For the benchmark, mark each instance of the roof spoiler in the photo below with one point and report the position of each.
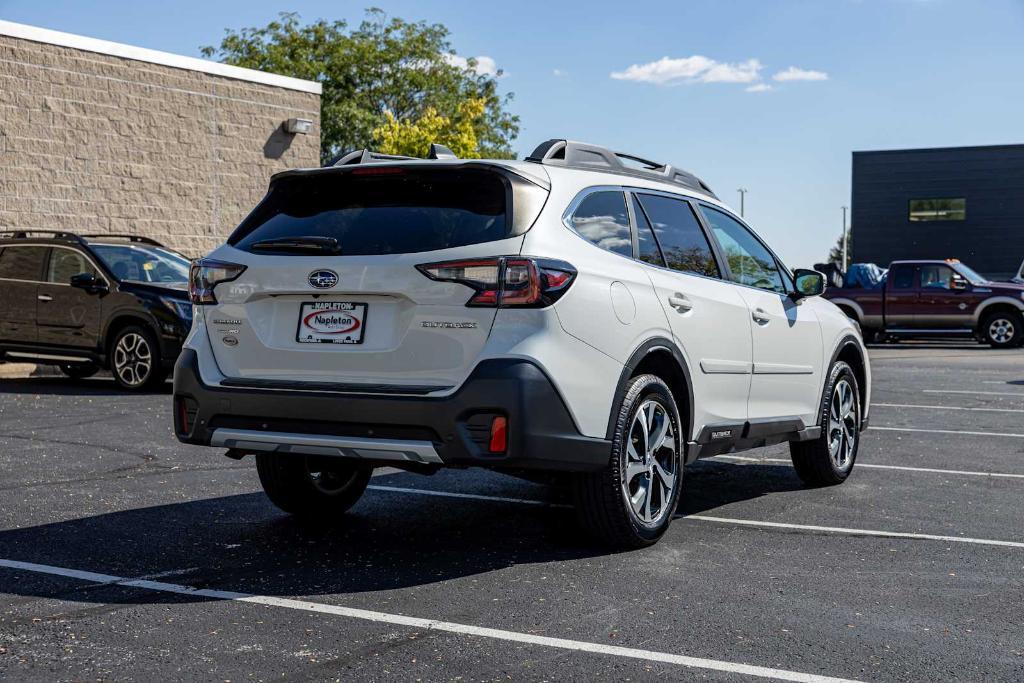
(366, 156)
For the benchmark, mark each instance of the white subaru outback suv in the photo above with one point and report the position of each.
(581, 312)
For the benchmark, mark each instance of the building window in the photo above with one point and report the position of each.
(938, 209)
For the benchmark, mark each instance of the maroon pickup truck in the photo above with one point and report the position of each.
(935, 298)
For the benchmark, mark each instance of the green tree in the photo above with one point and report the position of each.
(413, 137)
(835, 255)
(385, 66)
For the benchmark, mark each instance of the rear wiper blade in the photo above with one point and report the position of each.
(308, 244)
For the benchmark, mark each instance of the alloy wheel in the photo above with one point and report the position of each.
(652, 462)
(1001, 330)
(842, 425)
(133, 359)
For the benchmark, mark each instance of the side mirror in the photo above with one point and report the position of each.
(958, 283)
(89, 282)
(808, 283)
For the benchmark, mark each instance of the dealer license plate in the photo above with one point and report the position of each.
(331, 322)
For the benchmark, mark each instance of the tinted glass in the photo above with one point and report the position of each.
(65, 264)
(937, 277)
(647, 245)
(680, 235)
(384, 210)
(902, 277)
(601, 218)
(750, 261)
(938, 209)
(22, 263)
(142, 264)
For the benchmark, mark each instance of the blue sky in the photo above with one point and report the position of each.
(695, 84)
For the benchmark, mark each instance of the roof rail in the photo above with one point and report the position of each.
(131, 238)
(27, 233)
(366, 156)
(589, 157)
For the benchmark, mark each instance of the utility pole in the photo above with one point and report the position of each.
(845, 241)
(743, 196)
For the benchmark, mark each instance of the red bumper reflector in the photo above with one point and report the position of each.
(499, 435)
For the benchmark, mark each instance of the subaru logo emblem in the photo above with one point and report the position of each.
(323, 279)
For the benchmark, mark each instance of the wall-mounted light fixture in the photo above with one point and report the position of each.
(298, 126)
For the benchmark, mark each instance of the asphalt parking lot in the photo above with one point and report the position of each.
(126, 555)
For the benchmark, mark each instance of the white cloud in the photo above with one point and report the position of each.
(744, 72)
(485, 66)
(794, 73)
(696, 68)
(559, 73)
(759, 87)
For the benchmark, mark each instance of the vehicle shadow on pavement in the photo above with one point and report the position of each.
(390, 540)
(65, 386)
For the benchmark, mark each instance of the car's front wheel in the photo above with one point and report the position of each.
(828, 459)
(630, 503)
(1003, 329)
(135, 359)
(312, 486)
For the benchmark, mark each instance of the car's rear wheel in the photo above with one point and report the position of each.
(829, 459)
(79, 370)
(630, 503)
(1003, 329)
(312, 486)
(135, 359)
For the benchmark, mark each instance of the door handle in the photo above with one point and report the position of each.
(680, 303)
(44, 297)
(761, 316)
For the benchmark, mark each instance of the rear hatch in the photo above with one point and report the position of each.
(331, 292)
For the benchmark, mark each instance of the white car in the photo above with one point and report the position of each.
(579, 312)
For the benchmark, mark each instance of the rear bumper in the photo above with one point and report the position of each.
(451, 430)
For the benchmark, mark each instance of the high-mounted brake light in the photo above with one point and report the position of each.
(380, 170)
(205, 274)
(506, 281)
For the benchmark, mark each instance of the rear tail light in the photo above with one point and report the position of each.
(206, 274)
(506, 281)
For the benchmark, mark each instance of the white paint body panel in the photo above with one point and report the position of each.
(740, 370)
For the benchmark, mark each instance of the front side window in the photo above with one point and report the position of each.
(601, 218)
(949, 209)
(750, 261)
(22, 263)
(679, 233)
(65, 264)
(938, 277)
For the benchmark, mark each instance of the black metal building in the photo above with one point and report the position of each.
(952, 202)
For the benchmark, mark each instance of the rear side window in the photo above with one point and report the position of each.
(601, 218)
(647, 246)
(65, 264)
(383, 210)
(22, 263)
(679, 233)
(902, 277)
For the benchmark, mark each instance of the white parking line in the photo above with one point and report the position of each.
(946, 431)
(903, 468)
(1018, 394)
(745, 522)
(913, 405)
(428, 624)
(857, 532)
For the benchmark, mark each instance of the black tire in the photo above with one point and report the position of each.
(311, 486)
(1003, 329)
(823, 462)
(79, 370)
(601, 498)
(128, 363)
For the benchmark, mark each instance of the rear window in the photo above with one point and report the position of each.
(384, 210)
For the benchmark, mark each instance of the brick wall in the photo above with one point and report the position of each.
(94, 144)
